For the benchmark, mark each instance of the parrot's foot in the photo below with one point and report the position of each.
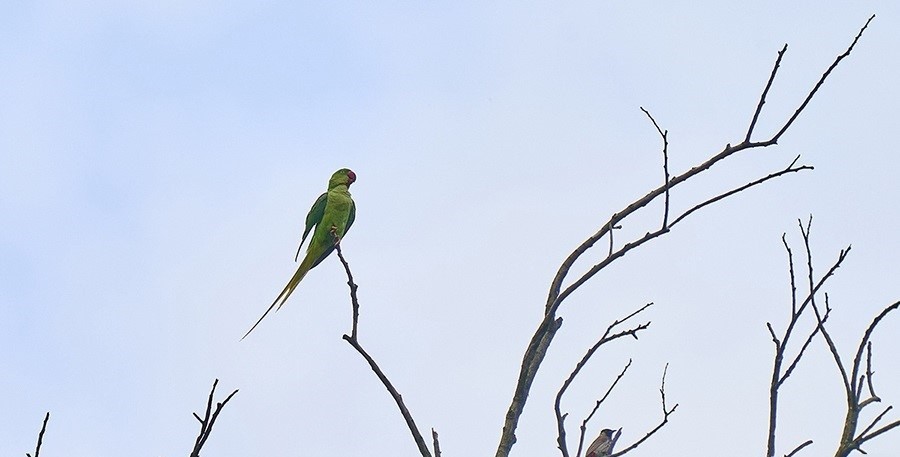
(337, 239)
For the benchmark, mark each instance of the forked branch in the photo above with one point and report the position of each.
(666, 412)
(209, 419)
(780, 374)
(534, 353)
(605, 338)
(853, 377)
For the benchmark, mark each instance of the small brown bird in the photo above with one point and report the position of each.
(600, 446)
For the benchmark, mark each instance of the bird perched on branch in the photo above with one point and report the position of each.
(601, 446)
(332, 215)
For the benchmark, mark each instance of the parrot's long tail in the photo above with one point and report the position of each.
(288, 289)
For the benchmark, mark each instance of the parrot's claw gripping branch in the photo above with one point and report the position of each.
(353, 341)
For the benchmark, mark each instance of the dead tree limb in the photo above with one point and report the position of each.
(605, 338)
(209, 419)
(40, 440)
(780, 374)
(546, 329)
(583, 428)
(662, 423)
(855, 378)
(850, 439)
(353, 341)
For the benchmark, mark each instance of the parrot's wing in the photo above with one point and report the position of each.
(351, 217)
(312, 219)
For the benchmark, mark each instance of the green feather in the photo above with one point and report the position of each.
(333, 210)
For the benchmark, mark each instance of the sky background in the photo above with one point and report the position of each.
(157, 160)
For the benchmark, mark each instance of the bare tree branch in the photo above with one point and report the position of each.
(665, 151)
(354, 300)
(793, 364)
(762, 98)
(583, 428)
(780, 375)
(417, 436)
(209, 419)
(353, 341)
(876, 433)
(436, 443)
(534, 353)
(40, 440)
(789, 169)
(798, 448)
(866, 341)
(876, 420)
(852, 379)
(869, 372)
(821, 81)
(849, 440)
(560, 418)
(665, 419)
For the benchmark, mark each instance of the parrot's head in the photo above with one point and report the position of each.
(342, 177)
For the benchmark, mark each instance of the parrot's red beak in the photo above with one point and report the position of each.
(352, 176)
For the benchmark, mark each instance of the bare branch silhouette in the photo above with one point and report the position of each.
(851, 378)
(605, 338)
(665, 151)
(779, 375)
(209, 419)
(850, 440)
(543, 335)
(583, 428)
(662, 423)
(799, 448)
(40, 440)
(436, 443)
(353, 341)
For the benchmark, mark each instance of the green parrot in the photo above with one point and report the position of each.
(333, 210)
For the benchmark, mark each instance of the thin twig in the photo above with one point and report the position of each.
(805, 232)
(583, 428)
(354, 300)
(665, 151)
(789, 169)
(40, 440)
(868, 335)
(791, 270)
(762, 98)
(779, 376)
(605, 338)
(534, 352)
(878, 432)
(869, 372)
(436, 443)
(417, 436)
(353, 341)
(209, 419)
(793, 364)
(821, 81)
(798, 448)
(665, 419)
(876, 420)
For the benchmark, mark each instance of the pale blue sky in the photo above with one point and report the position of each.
(157, 160)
